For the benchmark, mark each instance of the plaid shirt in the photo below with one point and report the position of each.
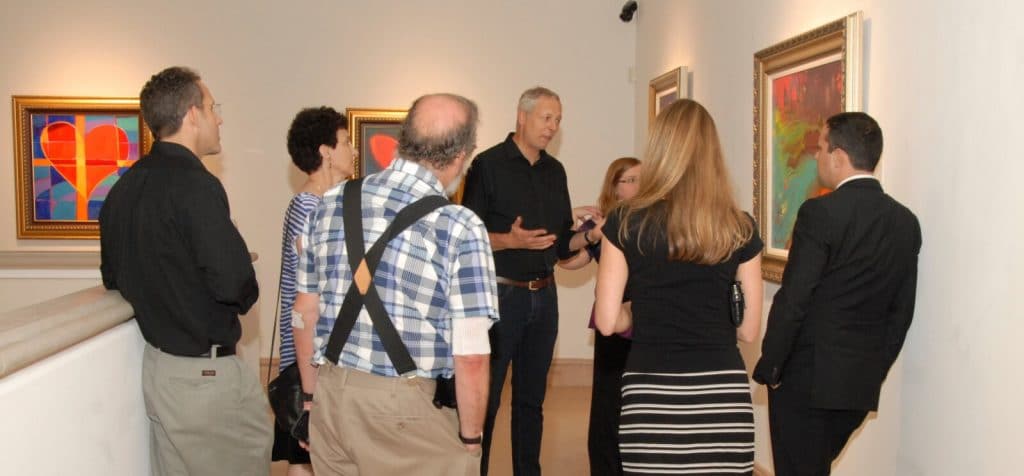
(437, 270)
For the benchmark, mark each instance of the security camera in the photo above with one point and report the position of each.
(627, 11)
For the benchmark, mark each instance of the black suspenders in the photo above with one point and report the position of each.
(362, 291)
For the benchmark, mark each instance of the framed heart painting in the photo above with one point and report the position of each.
(374, 134)
(68, 153)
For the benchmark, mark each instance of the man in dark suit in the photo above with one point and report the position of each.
(847, 298)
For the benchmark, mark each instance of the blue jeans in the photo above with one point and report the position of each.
(525, 337)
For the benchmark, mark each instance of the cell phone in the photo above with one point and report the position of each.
(736, 304)
(301, 428)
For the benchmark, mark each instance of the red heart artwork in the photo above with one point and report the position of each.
(382, 148)
(84, 162)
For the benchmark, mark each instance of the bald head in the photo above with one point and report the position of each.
(439, 128)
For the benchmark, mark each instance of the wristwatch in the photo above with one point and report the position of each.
(471, 441)
(307, 397)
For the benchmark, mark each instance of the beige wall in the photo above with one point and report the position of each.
(942, 77)
(265, 60)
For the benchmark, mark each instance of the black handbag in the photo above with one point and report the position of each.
(285, 395)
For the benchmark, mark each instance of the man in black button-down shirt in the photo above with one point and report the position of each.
(168, 245)
(521, 194)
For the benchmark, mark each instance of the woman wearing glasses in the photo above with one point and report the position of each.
(621, 182)
(319, 145)
(676, 248)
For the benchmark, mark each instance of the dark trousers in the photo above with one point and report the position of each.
(806, 440)
(525, 337)
(610, 354)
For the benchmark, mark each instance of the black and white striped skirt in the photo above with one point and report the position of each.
(687, 423)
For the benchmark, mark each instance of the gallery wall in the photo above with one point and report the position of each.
(942, 78)
(265, 60)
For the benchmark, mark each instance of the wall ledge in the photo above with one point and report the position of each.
(35, 332)
(50, 264)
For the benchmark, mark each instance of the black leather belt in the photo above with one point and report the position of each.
(534, 285)
(214, 352)
(218, 351)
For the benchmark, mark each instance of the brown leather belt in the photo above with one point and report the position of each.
(534, 285)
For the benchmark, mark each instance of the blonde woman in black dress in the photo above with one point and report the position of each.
(678, 245)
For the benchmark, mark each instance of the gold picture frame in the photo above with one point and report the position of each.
(666, 89)
(374, 134)
(68, 152)
(798, 83)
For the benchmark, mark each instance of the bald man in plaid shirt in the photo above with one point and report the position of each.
(436, 280)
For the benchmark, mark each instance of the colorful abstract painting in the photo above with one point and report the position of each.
(798, 84)
(76, 158)
(801, 101)
(68, 153)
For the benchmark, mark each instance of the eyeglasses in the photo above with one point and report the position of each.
(216, 107)
(629, 180)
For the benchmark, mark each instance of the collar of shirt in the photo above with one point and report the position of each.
(170, 155)
(412, 176)
(513, 151)
(856, 177)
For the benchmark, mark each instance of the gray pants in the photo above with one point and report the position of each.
(207, 416)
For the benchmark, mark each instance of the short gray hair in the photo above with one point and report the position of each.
(529, 98)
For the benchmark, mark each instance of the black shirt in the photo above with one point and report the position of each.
(501, 185)
(168, 245)
(677, 303)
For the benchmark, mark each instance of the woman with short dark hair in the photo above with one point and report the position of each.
(319, 145)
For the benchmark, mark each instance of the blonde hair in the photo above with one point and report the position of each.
(685, 194)
(607, 200)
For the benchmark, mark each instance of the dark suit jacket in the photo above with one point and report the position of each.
(847, 297)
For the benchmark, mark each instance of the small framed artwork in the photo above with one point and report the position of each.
(798, 83)
(68, 153)
(374, 134)
(665, 90)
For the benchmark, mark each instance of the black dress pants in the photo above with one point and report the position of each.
(805, 440)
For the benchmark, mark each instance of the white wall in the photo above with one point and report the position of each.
(942, 77)
(266, 60)
(57, 423)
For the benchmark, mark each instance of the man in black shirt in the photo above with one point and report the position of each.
(168, 245)
(521, 194)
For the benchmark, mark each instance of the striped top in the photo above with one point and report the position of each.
(294, 219)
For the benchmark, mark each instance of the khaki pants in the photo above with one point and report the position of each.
(368, 425)
(207, 416)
